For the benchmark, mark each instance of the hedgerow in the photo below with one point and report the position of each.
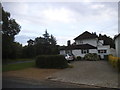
(51, 61)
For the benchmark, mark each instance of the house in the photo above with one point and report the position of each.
(117, 45)
(87, 43)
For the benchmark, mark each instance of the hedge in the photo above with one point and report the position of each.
(114, 61)
(79, 57)
(51, 61)
(91, 57)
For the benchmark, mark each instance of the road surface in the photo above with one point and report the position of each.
(20, 83)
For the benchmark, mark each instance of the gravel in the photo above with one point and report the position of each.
(96, 73)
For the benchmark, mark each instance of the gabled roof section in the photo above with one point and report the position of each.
(117, 36)
(82, 46)
(86, 35)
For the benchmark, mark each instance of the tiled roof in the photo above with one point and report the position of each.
(85, 35)
(117, 36)
(82, 46)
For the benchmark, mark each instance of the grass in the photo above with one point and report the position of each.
(17, 66)
(15, 60)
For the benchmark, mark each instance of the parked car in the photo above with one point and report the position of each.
(69, 57)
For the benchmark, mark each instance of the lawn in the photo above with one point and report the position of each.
(17, 66)
(15, 60)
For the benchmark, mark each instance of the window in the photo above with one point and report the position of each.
(81, 42)
(85, 51)
(102, 51)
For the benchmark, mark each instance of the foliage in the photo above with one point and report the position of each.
(28, 51)
(105, 57)
(79, 57)
(9, 25)
(16, 60)
(10, 28)
(51, 61)
(17, 66)
(45, 45)
(91, 57)
(114, 61)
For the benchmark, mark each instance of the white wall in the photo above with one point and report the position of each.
(87, 41)
(77, 53)
(105, 47)
(100, 42)
(117, 46)
(62, 52)
(113, 51)
(93, 51)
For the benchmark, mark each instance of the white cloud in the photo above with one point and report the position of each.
(97, 6)
(58, 15)
(64, 20)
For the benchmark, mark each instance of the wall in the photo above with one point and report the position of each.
(93, 51)
(78, 52)
(113, 51)
(87, 41)
(100, 42)
(105, 47)
(117, 46)
(62, 52)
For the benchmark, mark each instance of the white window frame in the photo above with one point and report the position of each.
(85, 51)
(102, 51)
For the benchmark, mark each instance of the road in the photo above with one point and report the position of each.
(20, 83)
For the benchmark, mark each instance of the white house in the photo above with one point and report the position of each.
(87, 43)
(117, 45)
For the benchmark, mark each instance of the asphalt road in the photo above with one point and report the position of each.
(20, 83)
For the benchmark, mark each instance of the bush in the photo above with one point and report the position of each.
(51, 61)
(79, 57)
(114, 61)
(91, 57)
(105, 57)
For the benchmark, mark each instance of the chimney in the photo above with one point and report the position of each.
(68, 43)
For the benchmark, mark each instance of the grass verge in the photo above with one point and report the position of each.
(17, 66)
(15, 60)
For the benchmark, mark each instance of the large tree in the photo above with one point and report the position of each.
(10, 28)
(41, 46)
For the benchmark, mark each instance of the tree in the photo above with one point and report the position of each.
(52, 40)
(10, 28)
(46, 37)
(30, 42)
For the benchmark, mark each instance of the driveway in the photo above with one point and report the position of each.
(97, 73)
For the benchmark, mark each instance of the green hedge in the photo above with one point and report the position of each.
(91, 57)
(51, 61)
(79, 57)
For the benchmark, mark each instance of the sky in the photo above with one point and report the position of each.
(64, 20)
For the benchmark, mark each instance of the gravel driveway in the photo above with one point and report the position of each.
(97, 73)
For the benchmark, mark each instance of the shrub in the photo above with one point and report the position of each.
(114, 61)
(79, 57)
(91, 57)
(51, 61)
(105, 57)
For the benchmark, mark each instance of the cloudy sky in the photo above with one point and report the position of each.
(65, 20)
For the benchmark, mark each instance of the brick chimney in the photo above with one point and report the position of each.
(68, 43)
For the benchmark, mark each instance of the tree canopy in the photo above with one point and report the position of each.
(10, 28)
